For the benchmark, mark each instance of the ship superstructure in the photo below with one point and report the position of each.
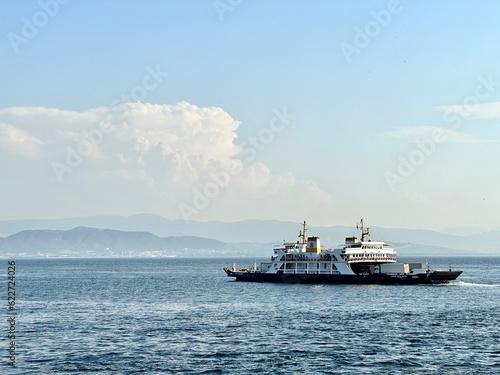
(356, 261)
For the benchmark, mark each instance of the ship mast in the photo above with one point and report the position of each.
(302, 233)
(365, 232)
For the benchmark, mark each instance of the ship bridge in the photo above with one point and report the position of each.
(366, 251)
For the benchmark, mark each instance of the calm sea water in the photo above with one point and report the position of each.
(161, 316)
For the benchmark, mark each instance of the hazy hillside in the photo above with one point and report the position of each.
(83, 241)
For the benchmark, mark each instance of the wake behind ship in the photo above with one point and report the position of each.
(355, 262)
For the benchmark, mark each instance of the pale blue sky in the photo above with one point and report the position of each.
(355, 118)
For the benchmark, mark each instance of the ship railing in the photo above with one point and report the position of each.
(304, 257)
(370, 259)
(311, 272)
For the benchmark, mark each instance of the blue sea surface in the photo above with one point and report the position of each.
(162, 316)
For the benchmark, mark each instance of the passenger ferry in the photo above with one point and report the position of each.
(357, 261)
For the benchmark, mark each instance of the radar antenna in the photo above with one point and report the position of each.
(302, 233)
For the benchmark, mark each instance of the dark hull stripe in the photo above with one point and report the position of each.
(435, 277)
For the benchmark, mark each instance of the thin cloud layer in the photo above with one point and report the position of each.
(18, 141)
(177, 160)
(475, 111)
(420, 133)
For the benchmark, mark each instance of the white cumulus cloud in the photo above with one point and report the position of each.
(141, 157)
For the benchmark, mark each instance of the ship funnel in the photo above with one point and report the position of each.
(313, 245)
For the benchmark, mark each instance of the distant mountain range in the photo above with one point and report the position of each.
(152, 235)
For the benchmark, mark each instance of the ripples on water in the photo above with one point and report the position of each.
(176, 315)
